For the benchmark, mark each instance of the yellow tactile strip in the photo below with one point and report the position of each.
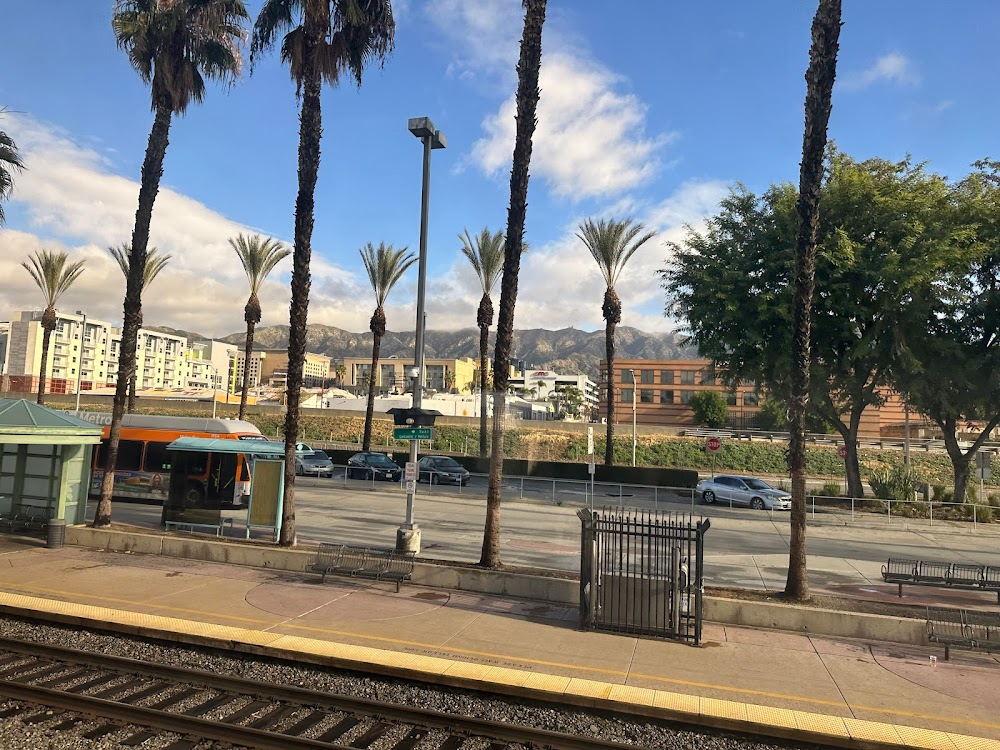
(735, 715)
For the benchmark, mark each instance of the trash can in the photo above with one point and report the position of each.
(56, 536)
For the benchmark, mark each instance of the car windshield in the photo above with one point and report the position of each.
(320, 456)
(756, 484)
(377, 459)
(448, 463)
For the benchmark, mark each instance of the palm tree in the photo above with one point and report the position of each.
(53, 276)
(820, 75)
(612, 243)
(173, 46)
(328, 39)
(486, 254)
(154, 264)
(526, 99)
(259, 255)
(385, 266)
(10, 161)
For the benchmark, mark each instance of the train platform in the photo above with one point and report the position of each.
(804, 688)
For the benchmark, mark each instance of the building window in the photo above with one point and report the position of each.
(646, 396)
(627, 377)
(626, 395)
(666, 397)
(751, 398)
(731, 398)
(646, 376)
(686, 396)
(667, 377)
(687, 378)
(707, 377)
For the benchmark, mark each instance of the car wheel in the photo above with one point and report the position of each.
(195, 493)
(757, 504)
(435, 479)
(708, 496)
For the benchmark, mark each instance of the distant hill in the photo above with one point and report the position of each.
(567, 350)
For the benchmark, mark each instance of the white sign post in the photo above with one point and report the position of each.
(590, 463)
(410, 471)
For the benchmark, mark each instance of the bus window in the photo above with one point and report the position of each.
(129, 455)
(244, 470)
(157, 457)
(198, 464)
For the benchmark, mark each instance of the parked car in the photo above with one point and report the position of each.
(442, 470)
(373, 465)
(749, 491)
(316, 464)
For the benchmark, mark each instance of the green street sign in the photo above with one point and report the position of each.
(412, 433)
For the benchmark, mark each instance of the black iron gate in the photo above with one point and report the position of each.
(641, 572)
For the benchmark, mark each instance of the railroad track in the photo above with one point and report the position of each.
(199, 705)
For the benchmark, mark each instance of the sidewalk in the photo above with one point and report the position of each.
(741, 678)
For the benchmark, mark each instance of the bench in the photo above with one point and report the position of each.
(192, 527)
(363, 562)
(976, 631)
(26, 518)
(942, 575)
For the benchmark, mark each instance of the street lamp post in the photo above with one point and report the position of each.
(215, 385)
(408, 535)
(632, 373)
(79, 364)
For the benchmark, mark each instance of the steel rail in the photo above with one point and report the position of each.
(454, 723)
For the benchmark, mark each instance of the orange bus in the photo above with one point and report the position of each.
(142, 470)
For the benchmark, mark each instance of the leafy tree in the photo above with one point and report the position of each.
(10, 161)
(53, 275)
(612, 243)
(819, 93)
(323, 40)
(154, 264)
(570, 399)
(709, 408)
(486, 254)
(339, 371)
(385, 265)
(949, 357)
(773, 416)
(259, 255)
(173, 46)
(526, 102)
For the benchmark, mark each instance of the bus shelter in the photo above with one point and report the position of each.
(45, 460)
(183, 509)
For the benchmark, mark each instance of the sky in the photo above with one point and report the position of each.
(652, 111)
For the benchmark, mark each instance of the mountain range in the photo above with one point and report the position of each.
(568, 350)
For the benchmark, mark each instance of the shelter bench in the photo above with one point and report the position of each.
(26, 518)
(363, 562)
(942, 575)
(968, 629)
(217, 528)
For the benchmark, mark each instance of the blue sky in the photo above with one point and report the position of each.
(652, 111)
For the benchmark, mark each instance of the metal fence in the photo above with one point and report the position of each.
(642, 572)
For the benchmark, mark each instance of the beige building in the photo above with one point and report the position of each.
(270, 366)
(87, 350)
(393, 374)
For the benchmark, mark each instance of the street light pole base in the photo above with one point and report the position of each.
(408, 539)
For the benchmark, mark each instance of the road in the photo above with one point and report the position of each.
(744, 548)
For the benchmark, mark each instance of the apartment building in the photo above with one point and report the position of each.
(270, 366)
(210, 365)
(86, 350)
(393, 374)
(546, 382)
(662, 389)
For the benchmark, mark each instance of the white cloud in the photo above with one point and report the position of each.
(69, 191)
(893, 67)
(591, 138)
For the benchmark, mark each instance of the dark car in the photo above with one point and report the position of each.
(442, 470)
(315, 463)
(373, 466)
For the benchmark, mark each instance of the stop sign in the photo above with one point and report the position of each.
(713, 444)
(842, 451)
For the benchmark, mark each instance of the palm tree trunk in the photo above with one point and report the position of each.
(484, 344)
(247, 352)
(609, 356)
(152, 171)
(130, 409)
(370, 411)
(819, 88)
(310, 131)
(527, 102)
(43, 370)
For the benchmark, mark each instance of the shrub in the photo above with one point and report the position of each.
(709, 408)
(938, 493)
(831, 489)
(893, 483)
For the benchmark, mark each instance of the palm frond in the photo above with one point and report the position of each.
(486, 254)
(259, 255)
(52, 273)
(385, 266)
(612, 243)
(10, 160)
(154, 261)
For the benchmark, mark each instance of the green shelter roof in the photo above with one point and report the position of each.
(22, 416)
(223, 445)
